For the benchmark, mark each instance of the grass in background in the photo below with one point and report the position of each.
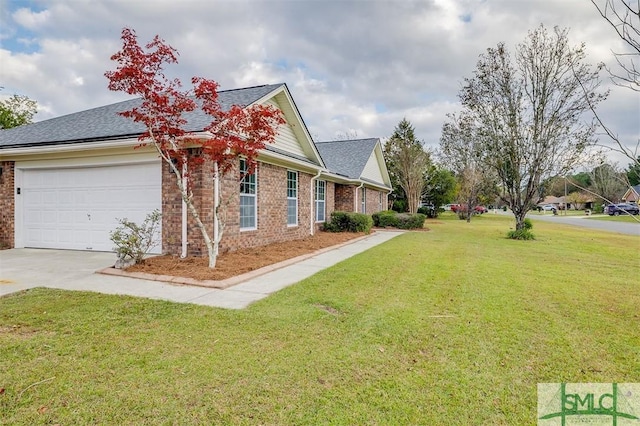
(621, 218)
(452, 326)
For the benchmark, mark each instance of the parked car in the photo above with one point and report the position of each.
(447, 207)
(463, 208)
(622, 208)
(548, 207)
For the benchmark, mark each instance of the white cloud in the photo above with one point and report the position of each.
(352, 66)
(31, 20)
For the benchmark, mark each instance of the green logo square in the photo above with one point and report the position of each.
(568, 404)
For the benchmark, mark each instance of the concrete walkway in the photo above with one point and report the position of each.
(21, 269)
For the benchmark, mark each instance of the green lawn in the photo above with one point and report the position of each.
(622, 218)
(455, 326)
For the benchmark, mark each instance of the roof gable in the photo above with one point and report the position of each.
(293, 137)
(632, 191)
(104, 123)
(356, 159)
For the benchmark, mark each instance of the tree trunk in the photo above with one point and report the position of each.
(217, 229)
(520, 216)
(194, 212)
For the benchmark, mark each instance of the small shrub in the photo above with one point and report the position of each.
(133, 241)
(521, 234)
(410, 221)
(528, 224)
(399, 206)
(385, 218)
(349, 222)
(430, 212)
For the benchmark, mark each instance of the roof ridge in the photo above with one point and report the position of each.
(250, 87)
(348, 140)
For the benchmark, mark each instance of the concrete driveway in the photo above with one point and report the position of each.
(21, 269)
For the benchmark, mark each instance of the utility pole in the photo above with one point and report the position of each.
(565, 195)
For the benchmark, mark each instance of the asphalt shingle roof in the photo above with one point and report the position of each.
(347, 157)
(104, 122)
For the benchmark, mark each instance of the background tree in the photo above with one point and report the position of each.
(608, 182)
(461, 148)
(528, 111)
(558, 185)
(577, 199)
(16, 111)
(633, 172)
(440, 187)
(624, 18)
(232, 134)
(407, 162)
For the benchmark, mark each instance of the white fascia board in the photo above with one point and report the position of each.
(298, 117)
(349, 181)
(68, 147)
(282, 160)
(380, 155)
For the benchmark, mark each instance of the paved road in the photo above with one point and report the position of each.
(584, 222)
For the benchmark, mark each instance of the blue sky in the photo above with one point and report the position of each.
(353, 67)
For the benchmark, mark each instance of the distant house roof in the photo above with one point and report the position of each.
(104, 122)
(632, 194)
(347, 158)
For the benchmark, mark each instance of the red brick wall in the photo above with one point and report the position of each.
(344, 197)
(373, 201)
(345, 194)
(201, 178)
(7, 204)
(271, 209)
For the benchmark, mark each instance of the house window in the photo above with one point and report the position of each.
(248, 205)
(363, 200)
(292, 198)
(379, 201)
(320, 200)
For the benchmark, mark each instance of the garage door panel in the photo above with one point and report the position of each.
(77, 208)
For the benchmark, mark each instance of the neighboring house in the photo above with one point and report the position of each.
(632, 195)
(65, 181)
(550, 199)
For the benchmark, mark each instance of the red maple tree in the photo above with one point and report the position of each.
(239, 132)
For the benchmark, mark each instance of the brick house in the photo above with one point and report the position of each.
(65, 181)
(632, 195)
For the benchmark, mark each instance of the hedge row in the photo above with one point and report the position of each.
(349, 222)
(392, 219)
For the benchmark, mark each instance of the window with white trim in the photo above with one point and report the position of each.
(248, 205)
(363, 200)
(379, 201)
(320, 197)
(292, 198)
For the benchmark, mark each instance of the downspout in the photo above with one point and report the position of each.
(355, 201)
(183, 253)
(389, 193)
(216, 196)
(312, 205)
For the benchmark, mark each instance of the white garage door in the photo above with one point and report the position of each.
(76, 208)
